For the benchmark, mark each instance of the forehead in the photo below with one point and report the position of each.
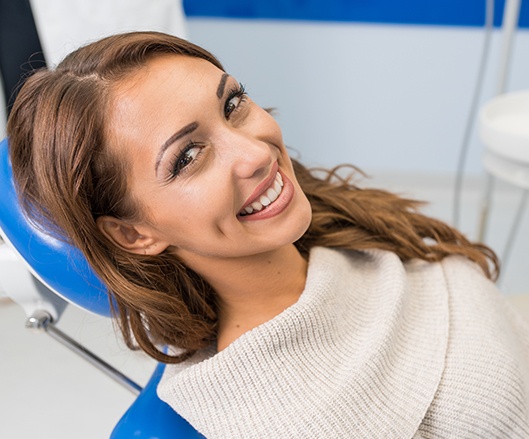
(164, 93)
(166, 76)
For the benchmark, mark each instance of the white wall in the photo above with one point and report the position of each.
(382, 97)
(386, 98)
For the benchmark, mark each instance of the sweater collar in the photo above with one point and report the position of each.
(361, 353)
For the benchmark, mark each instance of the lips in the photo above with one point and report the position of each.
(267, 198)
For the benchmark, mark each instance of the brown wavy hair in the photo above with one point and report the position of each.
(67, 178)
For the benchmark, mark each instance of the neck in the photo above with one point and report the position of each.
(253, 290)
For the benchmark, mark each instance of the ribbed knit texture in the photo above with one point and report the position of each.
(374, 348)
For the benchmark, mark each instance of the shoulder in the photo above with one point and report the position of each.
(461, 269)
(487, 356)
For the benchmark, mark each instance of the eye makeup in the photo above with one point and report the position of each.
(184, 160)
(237, 94)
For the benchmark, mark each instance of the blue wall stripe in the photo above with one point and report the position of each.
(420, 12)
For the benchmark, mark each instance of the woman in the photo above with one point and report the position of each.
(294, 306)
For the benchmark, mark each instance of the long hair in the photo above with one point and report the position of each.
(347, 216)
(67, 177)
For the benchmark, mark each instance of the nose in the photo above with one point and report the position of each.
(247, 155)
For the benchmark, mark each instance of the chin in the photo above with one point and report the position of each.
(302, 220)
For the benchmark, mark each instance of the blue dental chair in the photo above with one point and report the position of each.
(43, 274)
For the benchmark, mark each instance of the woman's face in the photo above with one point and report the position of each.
(206, 164)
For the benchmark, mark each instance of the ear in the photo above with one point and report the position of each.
(131, 238)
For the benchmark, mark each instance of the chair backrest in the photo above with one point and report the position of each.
(64, 270)
(58, 265)
(150, 418)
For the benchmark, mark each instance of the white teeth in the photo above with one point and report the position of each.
(267, 198)
(264, 200)
(272, 195)
(256, 206)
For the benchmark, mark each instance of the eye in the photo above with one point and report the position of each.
(235, 98)
(185, 159)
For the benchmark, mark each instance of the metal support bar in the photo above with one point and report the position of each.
(42, 321)
(511, 15)
(485, 208)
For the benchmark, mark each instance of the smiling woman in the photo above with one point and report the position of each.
(294, 303)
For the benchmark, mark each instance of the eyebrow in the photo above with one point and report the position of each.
(222, 84)
(188, 128)
(178, 135)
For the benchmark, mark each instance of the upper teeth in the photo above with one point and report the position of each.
(267, 198)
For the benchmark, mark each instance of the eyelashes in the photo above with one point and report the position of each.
(185, 160)
(236, 96)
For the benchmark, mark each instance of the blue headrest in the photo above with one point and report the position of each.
(61, 267)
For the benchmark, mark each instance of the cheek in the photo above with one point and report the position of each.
(197, 204)
(274, 127)
(267, 125)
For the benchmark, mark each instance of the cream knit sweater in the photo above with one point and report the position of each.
(374, 348)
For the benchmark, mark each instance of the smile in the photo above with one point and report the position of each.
(271, 195)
